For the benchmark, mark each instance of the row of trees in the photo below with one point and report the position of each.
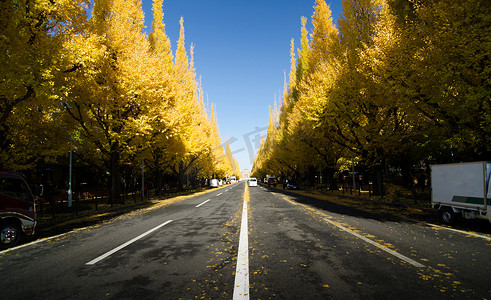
(397, 82)
(120, 95)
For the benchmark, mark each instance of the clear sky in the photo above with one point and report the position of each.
(242, 53)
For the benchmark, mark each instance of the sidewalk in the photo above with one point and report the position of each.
(407, 209)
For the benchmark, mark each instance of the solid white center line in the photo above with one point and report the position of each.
(96, 260)
(241, 285)
(382, 247)
(202, 203)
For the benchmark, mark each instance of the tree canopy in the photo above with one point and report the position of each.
(396, 82)
(70, 69)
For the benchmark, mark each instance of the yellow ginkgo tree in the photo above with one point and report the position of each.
(31, 43)
(110, 95)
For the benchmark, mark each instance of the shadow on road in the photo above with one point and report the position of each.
(377, 210)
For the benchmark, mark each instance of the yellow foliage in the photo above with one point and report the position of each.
(395, 79)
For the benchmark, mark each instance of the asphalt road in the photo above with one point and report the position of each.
(293, 248)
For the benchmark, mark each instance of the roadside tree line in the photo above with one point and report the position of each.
(88, 78)
(395, 85)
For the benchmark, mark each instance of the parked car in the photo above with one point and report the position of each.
(214, 183)
(252, 182)
(290, 185)
(17, 209)
(272, 181)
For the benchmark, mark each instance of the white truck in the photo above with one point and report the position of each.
(462, 189)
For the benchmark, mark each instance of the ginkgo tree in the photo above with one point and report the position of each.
(232, 161)
(194, 127)
(129, 101)
(314, 106)
(302, 140)
(31, 44)
(100, 81)
(156, 146)
(109, 96)
(447, 76)
(397, 82)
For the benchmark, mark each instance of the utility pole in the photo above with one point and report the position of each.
(353, 171)
(70, 175)
(143, 178)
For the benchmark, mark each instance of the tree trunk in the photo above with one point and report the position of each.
(115, 179)
(331, 177)
(180, 177)
(378, 180)
(158, 181)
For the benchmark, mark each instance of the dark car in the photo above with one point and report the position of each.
(290, 185)
(17, 209)
(272, 182)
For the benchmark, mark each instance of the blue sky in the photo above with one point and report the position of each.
(242, 53)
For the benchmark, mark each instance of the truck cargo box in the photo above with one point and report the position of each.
(462, 187)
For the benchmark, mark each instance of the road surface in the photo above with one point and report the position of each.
(251, 243)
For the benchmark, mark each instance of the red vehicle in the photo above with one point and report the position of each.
(17, 209)
(272, 181)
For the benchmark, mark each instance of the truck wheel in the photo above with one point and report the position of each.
(448, 216)
(9, 235)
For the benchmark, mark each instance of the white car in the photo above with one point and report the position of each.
(252, 182)
(214, 183)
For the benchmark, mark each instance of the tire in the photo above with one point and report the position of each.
(9, 235)
(448, 216)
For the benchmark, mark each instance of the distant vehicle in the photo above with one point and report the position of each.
(290, 185)
(272, 181)
(252, 182)
(214, 183)
(17, 209)
(231, 180)
(462, 189)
